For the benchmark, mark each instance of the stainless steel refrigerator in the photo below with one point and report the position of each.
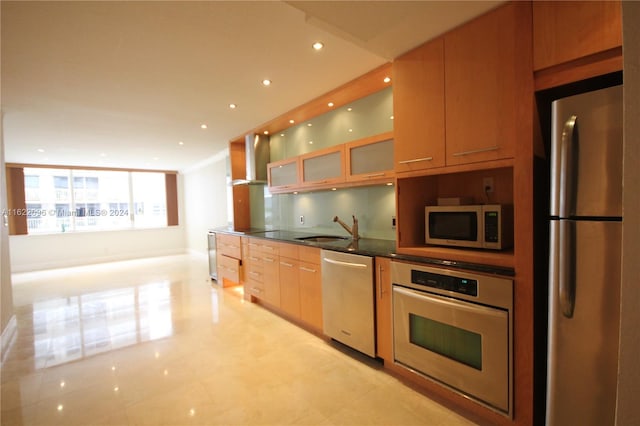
(584, 258)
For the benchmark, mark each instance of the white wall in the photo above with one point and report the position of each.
(205, 200)
(34, 252)
(629, 378)
(6, 295)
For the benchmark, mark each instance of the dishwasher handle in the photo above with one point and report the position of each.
(348, 264)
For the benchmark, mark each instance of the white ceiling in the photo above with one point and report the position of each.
(120, 84)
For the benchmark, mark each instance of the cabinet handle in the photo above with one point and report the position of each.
(253, 245)
(256, 290)
(476, 151)
(375, 175)
(255, 274)
(268, 247)
(255, 259)
(380, 280)
(286, 264)
(268, 259)
(416, 160)
(302, 268)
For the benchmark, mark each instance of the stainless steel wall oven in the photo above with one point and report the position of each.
(456, 328)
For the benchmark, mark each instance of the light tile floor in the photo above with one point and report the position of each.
(153, 342)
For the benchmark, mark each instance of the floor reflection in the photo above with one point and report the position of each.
(67, 329)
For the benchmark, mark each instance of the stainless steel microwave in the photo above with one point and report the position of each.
(476, 226)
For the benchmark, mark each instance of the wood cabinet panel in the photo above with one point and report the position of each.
(419, 108)
(271, 275)
(229, 245)
(384, 344)
(310, 294)
(228, 270)
(488, 75)
(289, 287)
(568, 30)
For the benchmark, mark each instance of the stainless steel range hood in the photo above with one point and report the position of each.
(257, 156)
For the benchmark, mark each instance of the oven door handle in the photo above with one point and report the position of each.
(459, 304)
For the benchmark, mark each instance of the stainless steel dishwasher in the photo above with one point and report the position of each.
(348, 300)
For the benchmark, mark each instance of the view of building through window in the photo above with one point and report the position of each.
(64, 200)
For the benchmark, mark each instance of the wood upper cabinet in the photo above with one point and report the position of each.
(419, 108)
(383, 309)
(284, 175)
(323, 167)
(567, 30)
(370, 159)
(488, 80)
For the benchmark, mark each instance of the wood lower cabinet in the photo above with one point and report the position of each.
(229, 255)
(384, 342)
(309, 274)
(289, 286)
(488, 82)
(418, 108)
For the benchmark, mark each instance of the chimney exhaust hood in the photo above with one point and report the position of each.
(257, 155)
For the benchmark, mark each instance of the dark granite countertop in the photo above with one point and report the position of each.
(363, 246)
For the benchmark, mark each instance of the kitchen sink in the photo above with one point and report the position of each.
(321, 238)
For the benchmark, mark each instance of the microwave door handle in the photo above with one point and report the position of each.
(567, 167)
(566, 266)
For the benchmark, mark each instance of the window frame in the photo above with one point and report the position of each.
(16, 196)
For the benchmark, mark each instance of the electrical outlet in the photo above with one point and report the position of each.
(301, 220)
(487, 184)
(393, 222)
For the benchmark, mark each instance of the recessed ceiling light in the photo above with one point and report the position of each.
(309, 124)
(350, 130)
(317, 45)
(334, 189)
(266, 82)
(330, 104)
(310, 142)
(349, 109)
(233, 106)
(40, 150)
(266, 132)
(389, 183)
(387, 79)
(282, 134)
(291, 121)
(180, 143)
(203, 126)
(391, 117)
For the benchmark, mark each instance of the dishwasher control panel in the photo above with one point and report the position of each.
(445, 282)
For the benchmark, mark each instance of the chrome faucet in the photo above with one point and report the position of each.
(353, 230)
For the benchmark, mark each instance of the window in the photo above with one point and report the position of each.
(64, 200)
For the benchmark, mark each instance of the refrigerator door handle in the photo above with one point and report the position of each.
(567, 169)
(566, 267)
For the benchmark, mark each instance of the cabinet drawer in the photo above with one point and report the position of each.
(309, 254)
(269, 247)
(229, 245)
(289, 250)
(230, 268)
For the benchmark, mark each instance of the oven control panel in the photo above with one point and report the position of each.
(445, 282)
